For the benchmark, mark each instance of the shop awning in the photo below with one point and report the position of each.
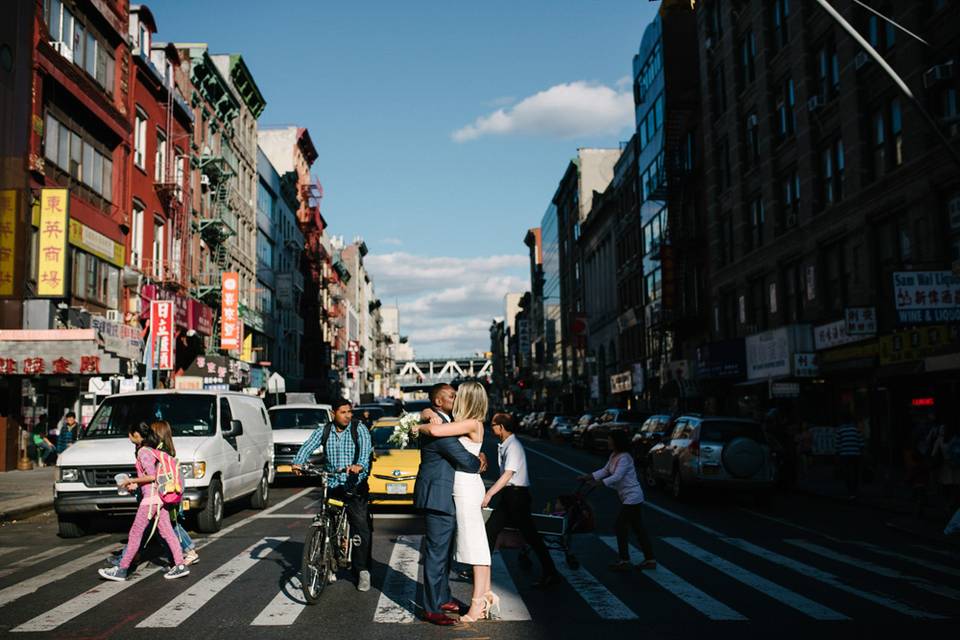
(54, 352)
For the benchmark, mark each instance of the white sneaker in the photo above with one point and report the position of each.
(363, 581)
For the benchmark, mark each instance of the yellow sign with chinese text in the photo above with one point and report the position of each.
(8, 240)
(246, 354)
(52, 258)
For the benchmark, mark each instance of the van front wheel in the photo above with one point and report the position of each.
(261, 497)
(210, 518)
(71, 527)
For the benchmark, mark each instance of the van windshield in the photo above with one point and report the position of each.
(188, 414)
(298, 418)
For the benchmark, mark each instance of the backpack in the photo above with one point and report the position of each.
(169, 482)
(353, 434)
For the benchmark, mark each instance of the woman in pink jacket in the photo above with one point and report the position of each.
(620, 475)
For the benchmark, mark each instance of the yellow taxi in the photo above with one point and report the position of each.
(394, 471)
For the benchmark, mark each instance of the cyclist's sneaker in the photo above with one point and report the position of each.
(332, 578)
(363, 581)
(114, 573)
(178, 571)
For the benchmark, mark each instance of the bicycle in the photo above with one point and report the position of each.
(328, 546)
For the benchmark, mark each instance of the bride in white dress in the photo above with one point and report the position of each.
(470, 408)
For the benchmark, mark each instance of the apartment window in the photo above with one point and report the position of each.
(904, 242)
(828, 71)
(160, 158)
(723, 150)
(651, 285)
(78, 43)
(748, 53)
(786, 114)
(781, 11)
(180, 169)
(793, 294)
(264, 250)
(948, 110)
(77, 155)
(833, 289)
(136, 235)
(832, 172)
(158, 242)
(752, 139)
(882, 33)
(755, 219)
(790, 188)
(725, 227)
(95, 280)
(887, 137)
(714, 21)
(651, 122)
(140, 139)
(652, 232)
(896, 132)
(719, 91)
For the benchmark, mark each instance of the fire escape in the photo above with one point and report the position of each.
(216, 227)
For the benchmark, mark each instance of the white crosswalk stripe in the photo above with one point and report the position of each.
(32, 584)
(828, 578)
(37, 558)
(511, 604)
(600, 599)
(871, 567)
(285, 607)
(7, 550)
(771, 589)
(708, 606)
(198, 594)
(398, 596)
(939, 567)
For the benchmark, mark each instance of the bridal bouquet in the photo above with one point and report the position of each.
(405, 430)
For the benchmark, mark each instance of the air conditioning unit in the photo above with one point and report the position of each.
(861, 59)
(113, 315)
(938, 74)
(791, 220)
(205, 181)
(752, 121)
(814, 103)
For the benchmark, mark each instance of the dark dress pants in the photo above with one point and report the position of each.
(513, 510)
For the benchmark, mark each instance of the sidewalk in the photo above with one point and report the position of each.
(25, 492)
(888, 494)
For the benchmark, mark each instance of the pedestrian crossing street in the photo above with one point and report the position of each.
(716, 578)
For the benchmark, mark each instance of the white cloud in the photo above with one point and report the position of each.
(564, 111)
(446, 303)
(393, 242)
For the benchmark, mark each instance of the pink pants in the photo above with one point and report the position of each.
(149, 507)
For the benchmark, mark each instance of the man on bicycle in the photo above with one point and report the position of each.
(347, 447)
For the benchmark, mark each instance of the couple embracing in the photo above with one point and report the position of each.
(450, 492)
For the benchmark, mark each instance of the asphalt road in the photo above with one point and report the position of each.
(797, 567)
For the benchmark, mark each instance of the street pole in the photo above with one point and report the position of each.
(954, 155)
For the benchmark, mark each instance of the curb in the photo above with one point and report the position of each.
(21, 513)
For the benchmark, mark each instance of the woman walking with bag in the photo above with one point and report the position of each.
(620, 475)
(151, 506)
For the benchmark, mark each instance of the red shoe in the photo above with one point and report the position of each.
(451, 607)
(439, 619)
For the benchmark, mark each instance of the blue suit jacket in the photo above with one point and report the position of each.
(439, 459)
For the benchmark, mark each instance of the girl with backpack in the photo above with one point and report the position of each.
(151, 506)
(165, 436)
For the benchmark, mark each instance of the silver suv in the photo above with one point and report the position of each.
(730, 453)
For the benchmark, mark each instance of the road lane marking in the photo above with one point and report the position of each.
(771, 589)
(30, 585)
(398, 595)
(828, 578)
(175, 612)
(920, 562)
(659, 509)
(37, 558)
(284, 609)
(879, 570)
(705, 604)
(600, 599)
(5, 550)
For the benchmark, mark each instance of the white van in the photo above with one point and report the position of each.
(292, 425)
(224, 447)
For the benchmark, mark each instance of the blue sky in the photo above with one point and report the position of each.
(442, 128)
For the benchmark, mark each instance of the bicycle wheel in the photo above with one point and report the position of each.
(315, 565)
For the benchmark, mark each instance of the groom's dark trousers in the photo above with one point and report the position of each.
(439, 459)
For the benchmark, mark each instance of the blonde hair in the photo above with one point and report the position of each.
(471, 402)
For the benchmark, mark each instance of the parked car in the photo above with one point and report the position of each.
(728, 453)
(292, 424)
(594, 437)
(530, 423)
(653, 431)
(224, 447)
(393, 474)
(576, 434)
(561, 427)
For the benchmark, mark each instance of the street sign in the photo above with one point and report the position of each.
(276, 383)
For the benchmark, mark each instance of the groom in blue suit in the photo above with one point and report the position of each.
(433, 493)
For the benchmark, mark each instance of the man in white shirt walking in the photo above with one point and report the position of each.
(513, 509)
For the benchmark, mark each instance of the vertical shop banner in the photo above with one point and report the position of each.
(8, 239)
(52, 258)
(230, 311)
(161, 327)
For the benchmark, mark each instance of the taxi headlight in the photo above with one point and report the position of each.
(193, 470)
(69, 474)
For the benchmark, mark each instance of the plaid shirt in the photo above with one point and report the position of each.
(339, 452)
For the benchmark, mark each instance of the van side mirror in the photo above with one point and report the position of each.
(235, 429)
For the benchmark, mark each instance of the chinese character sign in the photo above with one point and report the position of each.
(161, 327)
(230, 311)
(52, 254)
(8, 239)
(926, 297)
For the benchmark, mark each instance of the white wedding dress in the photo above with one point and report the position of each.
(468, 492)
